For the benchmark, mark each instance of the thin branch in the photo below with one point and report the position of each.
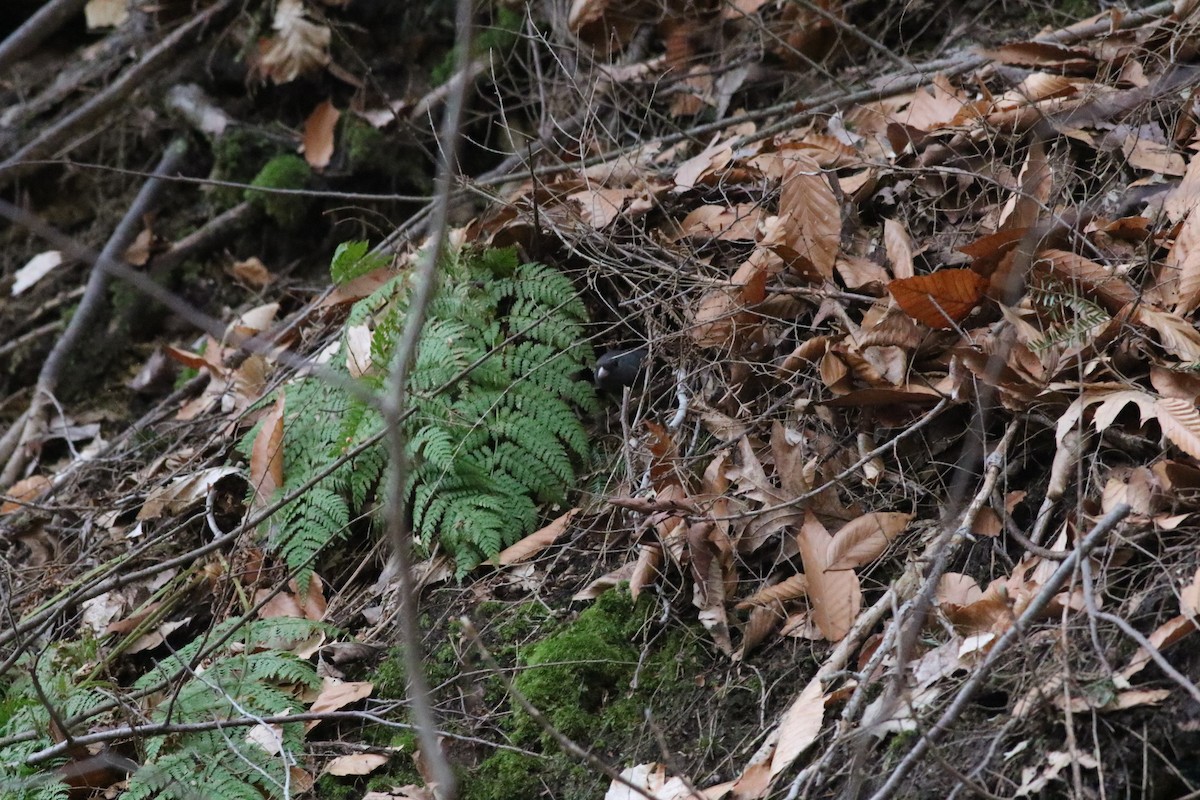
(1019, 627)
(393, 407)
(25, 39)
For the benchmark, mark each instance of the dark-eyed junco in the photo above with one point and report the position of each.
(618, 368)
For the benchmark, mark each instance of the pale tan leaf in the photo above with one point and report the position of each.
(814, 229)
(1181, 423)
(356, 764)
(537, 541)
(835, 596)
(713, 158)
(1177, 335)
(957, 589)
(24, 491)
(932, 106)
(727, 223)
(300, 46)
(1112, 403)
(1161, 638)
(649, 558)
(1184, 258)
(337, 694)
(1189, 597)
(606, 582)
(182, 492)
(787, 589)
(105, 13)
(800, 726)
(1151, 156)
(862, 540)
(598, 207)
(899, 248)
(266, 455)
(1186, 196)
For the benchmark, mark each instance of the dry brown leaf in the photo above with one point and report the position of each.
(899, 249)
(712, 159)
(1161, 638)
(356, 764)
(1186, 196)
(727, 223)
(1041, 54)
(711, 570)
(1177, 335)
(299, 47)
(956, 590)
(941, 299)
(1184, 259)
(182, 492)
(317, 144)
(606, 582)
(787, 589)
(24, 491)
(813, 213)
(537, 541)
(1035, 184)
(1092, 280)
(763, 621)
(1180, 423)
(266, 455)
(645, 571)
(251, 272)
(1189, 597)
(336, 693)
(864, 539)
(800, 726)
(932, 106)
(835, 596)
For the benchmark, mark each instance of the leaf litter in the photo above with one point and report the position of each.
(849, 314)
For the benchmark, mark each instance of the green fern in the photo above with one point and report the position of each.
(252, 679)
(485, 449)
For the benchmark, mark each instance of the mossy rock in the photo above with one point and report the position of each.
(282, 172)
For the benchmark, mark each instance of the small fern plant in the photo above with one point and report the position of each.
(249, 680)
(496, 394)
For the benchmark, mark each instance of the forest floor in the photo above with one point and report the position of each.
(899, 497)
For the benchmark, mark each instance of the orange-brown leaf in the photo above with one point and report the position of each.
(940, 299)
